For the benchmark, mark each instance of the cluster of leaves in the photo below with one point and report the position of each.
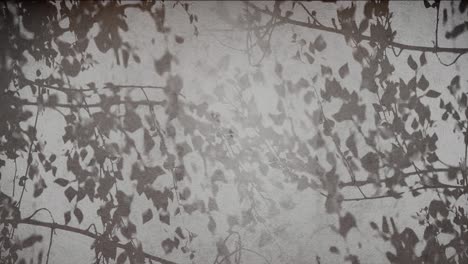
(94, 162)
(438, 219)
(402, 118)
(10, 215)
(459, 10)
(380, 136)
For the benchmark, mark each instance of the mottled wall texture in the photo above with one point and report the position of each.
(234, 132)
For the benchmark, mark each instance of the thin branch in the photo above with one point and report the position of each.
(397, 195)
(29, 159)
(348, 167)
(463, 167)
(55, 226)
(41, 209)
(437, 41)
(14, 178)
(50, 245)
(369, 198)
(107, 86)
(435, 49)
(141, 102)
(412, 173)
(246, 249)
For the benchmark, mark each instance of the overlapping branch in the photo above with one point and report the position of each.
(394, 44)
(55, 226)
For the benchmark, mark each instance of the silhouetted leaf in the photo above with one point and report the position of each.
(430, 232)
(125, 56)
(62, 182)
(370, 162)
(163, 64)
(360, 53)
(363, 25)
(179, 39)
(70, 193)
(168, 245)
(89, 188)
(464, 100)
(147, 215)
(346, 223)
(78, 214)
(456, 30)
(148, 141)
(311, 48)
(350, 109)
(31, 240)
(309, 58)
(391, 257)
(264, 239)
(351, 145)
(132, 121)
(39, 187)
(67, 217)
(319, 43)
(334, 250)
(452, 173)
(279, 70)
(326, 70)
(212, 205)
(389, 96)
(385, 227)
(414, 124)
(412, 63)
(178, 231)
(454, 85)
(165, 217)
(432, 94)
(71, 68)
(211, 225)
(121, 258)
(344, 70)
(423, 83)
(136, 58)
(422, 59)
(302, 42)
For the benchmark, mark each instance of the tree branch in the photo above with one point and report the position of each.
(397, 195)
(435, 49)
(404, 175)
(142, 102)
(55, 226)
(75, 90)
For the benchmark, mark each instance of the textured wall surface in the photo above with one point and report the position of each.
(234, 132)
